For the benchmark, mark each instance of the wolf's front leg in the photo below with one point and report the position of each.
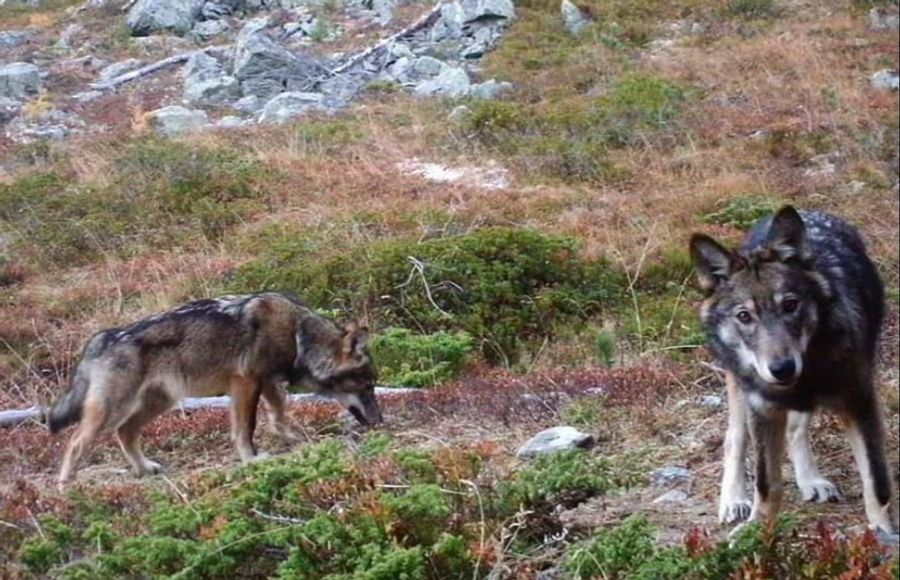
(813, 486)
(767, 427)
(866, 433)
(734, 502)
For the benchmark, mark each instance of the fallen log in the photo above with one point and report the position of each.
(357, 58)
(18, 417)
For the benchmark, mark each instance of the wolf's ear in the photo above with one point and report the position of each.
(787, 235)
(712, 261)
(356, 338)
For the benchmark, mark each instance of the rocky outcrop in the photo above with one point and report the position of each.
(152, 16)
(19, 80)
(287, 106)
(207, 83)
(264, 68)
(173, 121)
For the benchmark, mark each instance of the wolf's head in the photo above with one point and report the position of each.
(343, 370)
(762, 306)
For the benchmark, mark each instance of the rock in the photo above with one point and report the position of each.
(428, 66)
(9, 108)
(673, 496)
(207, 29)
(265, 68)
(68, 37)
(150, 16)
(206, 82)
(451, 22)
(19, 79)
(490, 89)
(884, 18)
(478, 9)
(338, 91)
(886, 539)
(173, 121)
(87, 96)
(670, 475)
(230, 122)
(574, 19)
(248, 104)
(14, 38)
(110, 72)
(886, 80)
(215, 11)
(384, 10)
(288, 106)
(460, 114)
(555, 440)
(713, 402)
(451, 82)
(52, 125)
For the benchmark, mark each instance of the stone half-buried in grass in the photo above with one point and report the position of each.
(554, 440)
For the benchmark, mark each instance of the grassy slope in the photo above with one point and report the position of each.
(621, 142)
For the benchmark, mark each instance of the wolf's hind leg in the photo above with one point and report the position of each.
(154, 404)
(866, 434)
(274, 399)
(93, 420)
(813, 486)
(734, 502)
(245, 393)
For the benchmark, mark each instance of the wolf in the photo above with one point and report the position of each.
(244, 346)
(794, 316)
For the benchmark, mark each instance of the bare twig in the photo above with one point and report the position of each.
(278, 518)
(152, 68)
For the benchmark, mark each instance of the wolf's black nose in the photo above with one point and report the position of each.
(784, 370)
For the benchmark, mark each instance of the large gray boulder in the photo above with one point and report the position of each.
(14, 38)
(173, 121)
(450, 82)
(288, 106)
(555, 440)
(9, 108)
(205, 81)
(150, 16)
(115, 69)
(575, 21)
(19, 80)
(265, 68)
(886, 80)
(478, 9)
(490, 89)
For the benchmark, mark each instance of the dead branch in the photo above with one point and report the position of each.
(152, 68)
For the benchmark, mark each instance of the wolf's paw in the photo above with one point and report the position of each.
(261, 456)
(149, 468)
(819, 491)
(734, 511)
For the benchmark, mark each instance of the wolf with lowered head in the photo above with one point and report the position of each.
(244, 346)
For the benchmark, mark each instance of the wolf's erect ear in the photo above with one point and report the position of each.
(712, 261)
(787, 235)
(356, 338)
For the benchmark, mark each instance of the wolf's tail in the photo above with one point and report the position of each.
(67, 409)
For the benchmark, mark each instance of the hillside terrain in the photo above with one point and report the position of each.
(503, 192)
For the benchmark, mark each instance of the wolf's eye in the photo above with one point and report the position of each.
(790, 305)
(744, 317)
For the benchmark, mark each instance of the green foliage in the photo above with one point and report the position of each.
(424, 512)
(741, 212)
(752, 8)
(374, 445)
(416, 464)
(163, 194)
(416, 360)
(586, 413)
(613, 554)
(50, 548)
(570, 138)
(505, 287)
(605, 343)
(566, 478)
(452, 557)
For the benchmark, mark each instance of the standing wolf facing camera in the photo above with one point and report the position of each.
(794, 317)
(243, 346)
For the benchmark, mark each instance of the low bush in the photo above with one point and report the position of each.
(415, 360)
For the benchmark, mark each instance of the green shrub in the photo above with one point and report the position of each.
(566, 478)
(414, 360)
(752, 8)
(452, 557)
(51, 548)
(741, 212)
(421, 513)
(416, 464)
(605, 343)
(614, 553)
(505, 287)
